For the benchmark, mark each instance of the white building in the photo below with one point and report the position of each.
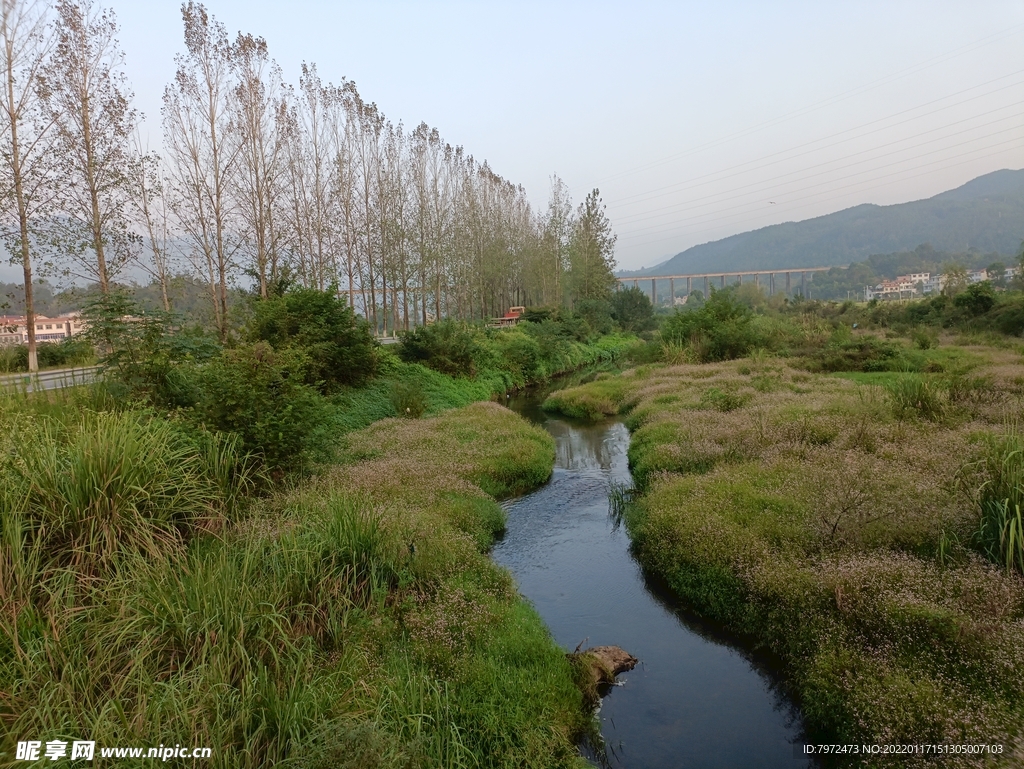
(977, 276)
(935, 284)
(14, 331)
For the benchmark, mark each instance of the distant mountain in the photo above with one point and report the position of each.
(986, 214)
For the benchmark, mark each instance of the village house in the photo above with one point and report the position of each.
(13, 329)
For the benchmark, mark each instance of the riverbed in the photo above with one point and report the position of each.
(698, 698)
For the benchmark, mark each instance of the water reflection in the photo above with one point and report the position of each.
(697, 699)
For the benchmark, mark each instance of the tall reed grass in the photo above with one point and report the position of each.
(1000, 532)
(103, 483)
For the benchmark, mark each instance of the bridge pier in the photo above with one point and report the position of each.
(789, 284)
(771, 284)
(757, 279)
(723, 281)
(705, 286)
(672, 292)
(689, 284)
(654, 291)
(803, 284)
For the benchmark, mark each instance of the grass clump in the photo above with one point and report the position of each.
(353, 619)
(911, 395)
(592, 401)
(1000, 531)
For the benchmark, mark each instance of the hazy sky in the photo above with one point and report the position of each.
(691, 118)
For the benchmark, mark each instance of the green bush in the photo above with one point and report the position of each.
(408, 399)
(976, 299)
(721, 329)
(866, 353)
(598, 315)
(146, 352)
(337, 344)
(67, 352)
(94, 485)
(260, 394)
(632, 310)
(911, 395)
(925, 339)
(1000, 532)
(446, 346)
(520, 355)
(722, 400)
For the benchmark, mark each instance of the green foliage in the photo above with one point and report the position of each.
(94, 486)
(812, 521)
(925, 339)
(593, 401)
(260, 395)
(447, 346)
(1000, 532)
(597, 313)
(407, 399)
(591, 252)
(863, 353)
(146, 352)
(338, 345)
(632, 310)
(721, 329)
(65, 353)
(722, 400)
(977, 299)
(911, 395)
(244, 631)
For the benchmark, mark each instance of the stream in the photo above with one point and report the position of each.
(698, 698)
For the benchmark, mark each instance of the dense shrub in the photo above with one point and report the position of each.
(145, 352)
(865, 353)
(976, 299)
(446, 346)
(721, 329)
(632, 310)
(260, 394)
(598, 315)
(337, 344)
(520, 354)
(67, 352)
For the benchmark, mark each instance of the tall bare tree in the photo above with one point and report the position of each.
(259, 121)
(202, 150)
(151, 210)
(25, 184)
(84, 93)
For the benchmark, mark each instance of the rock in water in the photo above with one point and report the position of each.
(606, 662)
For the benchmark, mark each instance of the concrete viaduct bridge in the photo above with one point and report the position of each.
(709, 279)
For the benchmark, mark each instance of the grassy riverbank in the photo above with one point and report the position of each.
(353, 620)
(840, 521)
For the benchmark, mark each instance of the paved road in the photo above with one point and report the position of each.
(51, 380)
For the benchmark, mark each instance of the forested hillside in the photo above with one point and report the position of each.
(986, 214)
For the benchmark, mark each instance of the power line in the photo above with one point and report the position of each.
(913, 69)
(767, 183)
(677, 187)
(850, 176)
(654, 231)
